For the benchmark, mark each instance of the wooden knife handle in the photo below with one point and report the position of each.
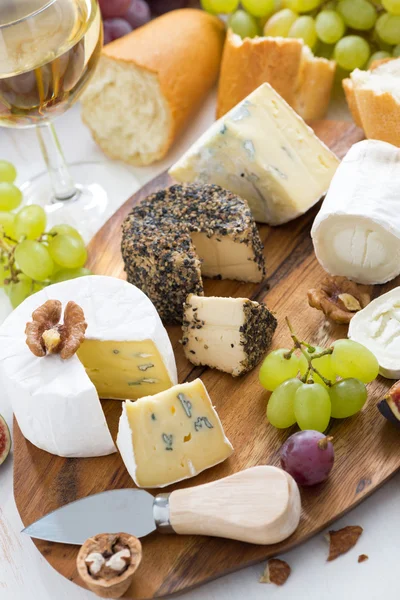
(260, 505)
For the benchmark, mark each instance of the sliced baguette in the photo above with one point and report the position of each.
(374, 100)
(304, 81)
(149, 82)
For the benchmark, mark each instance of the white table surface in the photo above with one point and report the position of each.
(25, 574)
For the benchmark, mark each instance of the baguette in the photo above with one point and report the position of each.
(149, 83)
(374, 100)
(304, 81)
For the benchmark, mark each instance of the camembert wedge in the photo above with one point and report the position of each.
(264, 152)
(171, 436)
(56, 401)
(229, 334)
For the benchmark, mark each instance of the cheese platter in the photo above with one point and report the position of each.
(363, 461)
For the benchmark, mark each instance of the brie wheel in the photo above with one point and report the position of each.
(377, 327)
(357, 231)
(55, 401)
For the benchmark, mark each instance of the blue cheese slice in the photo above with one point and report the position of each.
(263, 151)
(171, 436)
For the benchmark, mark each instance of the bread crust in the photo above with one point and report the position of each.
(348, 88)
(183, 49)
(304, 81)
(380, 116)
(248, 63)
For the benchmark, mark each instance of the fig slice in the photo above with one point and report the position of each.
(389, 406)
(5, 440)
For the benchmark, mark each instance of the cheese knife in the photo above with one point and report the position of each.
(260, 505)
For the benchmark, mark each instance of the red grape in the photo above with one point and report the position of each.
(113, 8)
(138, 13)
(115, 28)
(158, 7)
(308, 457)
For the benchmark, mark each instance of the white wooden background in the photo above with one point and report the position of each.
(25, 575)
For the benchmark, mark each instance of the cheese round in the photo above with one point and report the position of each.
(357, 231)
(55, 401)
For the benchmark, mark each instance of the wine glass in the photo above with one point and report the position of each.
(48, 51)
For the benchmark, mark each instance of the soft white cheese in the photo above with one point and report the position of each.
(377, 327)
(56, 404)
(357, 231)
(263, 151)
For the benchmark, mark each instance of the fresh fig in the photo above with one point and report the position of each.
(5, 440)
(389, 406)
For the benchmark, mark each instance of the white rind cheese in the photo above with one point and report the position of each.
(55, 402)
(263, 151)
(229, 334)
(377, 327)
(171, 436)
(357, 231)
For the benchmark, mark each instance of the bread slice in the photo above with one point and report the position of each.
(149, 82)
(304, 81)
(374, 100)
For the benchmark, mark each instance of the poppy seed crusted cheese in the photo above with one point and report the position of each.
(229, 334)
(184, 232)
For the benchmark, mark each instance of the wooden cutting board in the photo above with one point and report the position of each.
(366, 445)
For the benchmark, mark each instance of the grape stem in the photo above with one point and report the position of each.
(311, 370)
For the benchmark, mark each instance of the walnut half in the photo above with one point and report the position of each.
(338, 298)
(45, 334)
(107, 563)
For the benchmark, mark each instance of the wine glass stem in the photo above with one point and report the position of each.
(64, 188)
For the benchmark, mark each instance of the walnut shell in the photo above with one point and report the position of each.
(113, 587)
(338, 298)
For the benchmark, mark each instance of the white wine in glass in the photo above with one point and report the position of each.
(48, 51)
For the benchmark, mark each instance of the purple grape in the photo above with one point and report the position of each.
(138, 13)
(308, 457)
(115, 28)
(159, 7)
(113, 8)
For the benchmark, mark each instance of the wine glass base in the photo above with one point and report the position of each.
(102, 188)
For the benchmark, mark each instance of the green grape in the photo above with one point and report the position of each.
(280, 23)
(34, 260)
(348, 396)
(307, 5)
(330, 26)
(67, 251)
(30, 222)
(66, 230)
(258, 8)
(304, 29)
(388, 28)
(10, 196)
(358, 14)
(280, 407)
(392, 6)
(20, 290)
(277, 5)
(396, 51)
(8, 173)
(378, 56)
(207, 6)
(243, 24)
(223, 6)
(351, 359)
(293, 5)
(323, 365)
(276, 369)
(352, 52)
(7, 223)
(67, 274)
(312, 407)
(331, 5)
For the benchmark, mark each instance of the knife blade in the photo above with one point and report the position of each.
(260, 505)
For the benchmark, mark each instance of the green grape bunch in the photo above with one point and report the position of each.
(310, 387)
(354, 33)
(31, 257)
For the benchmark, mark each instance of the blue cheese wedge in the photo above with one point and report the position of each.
(171, 436)
(263, 151)
(229, 334)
